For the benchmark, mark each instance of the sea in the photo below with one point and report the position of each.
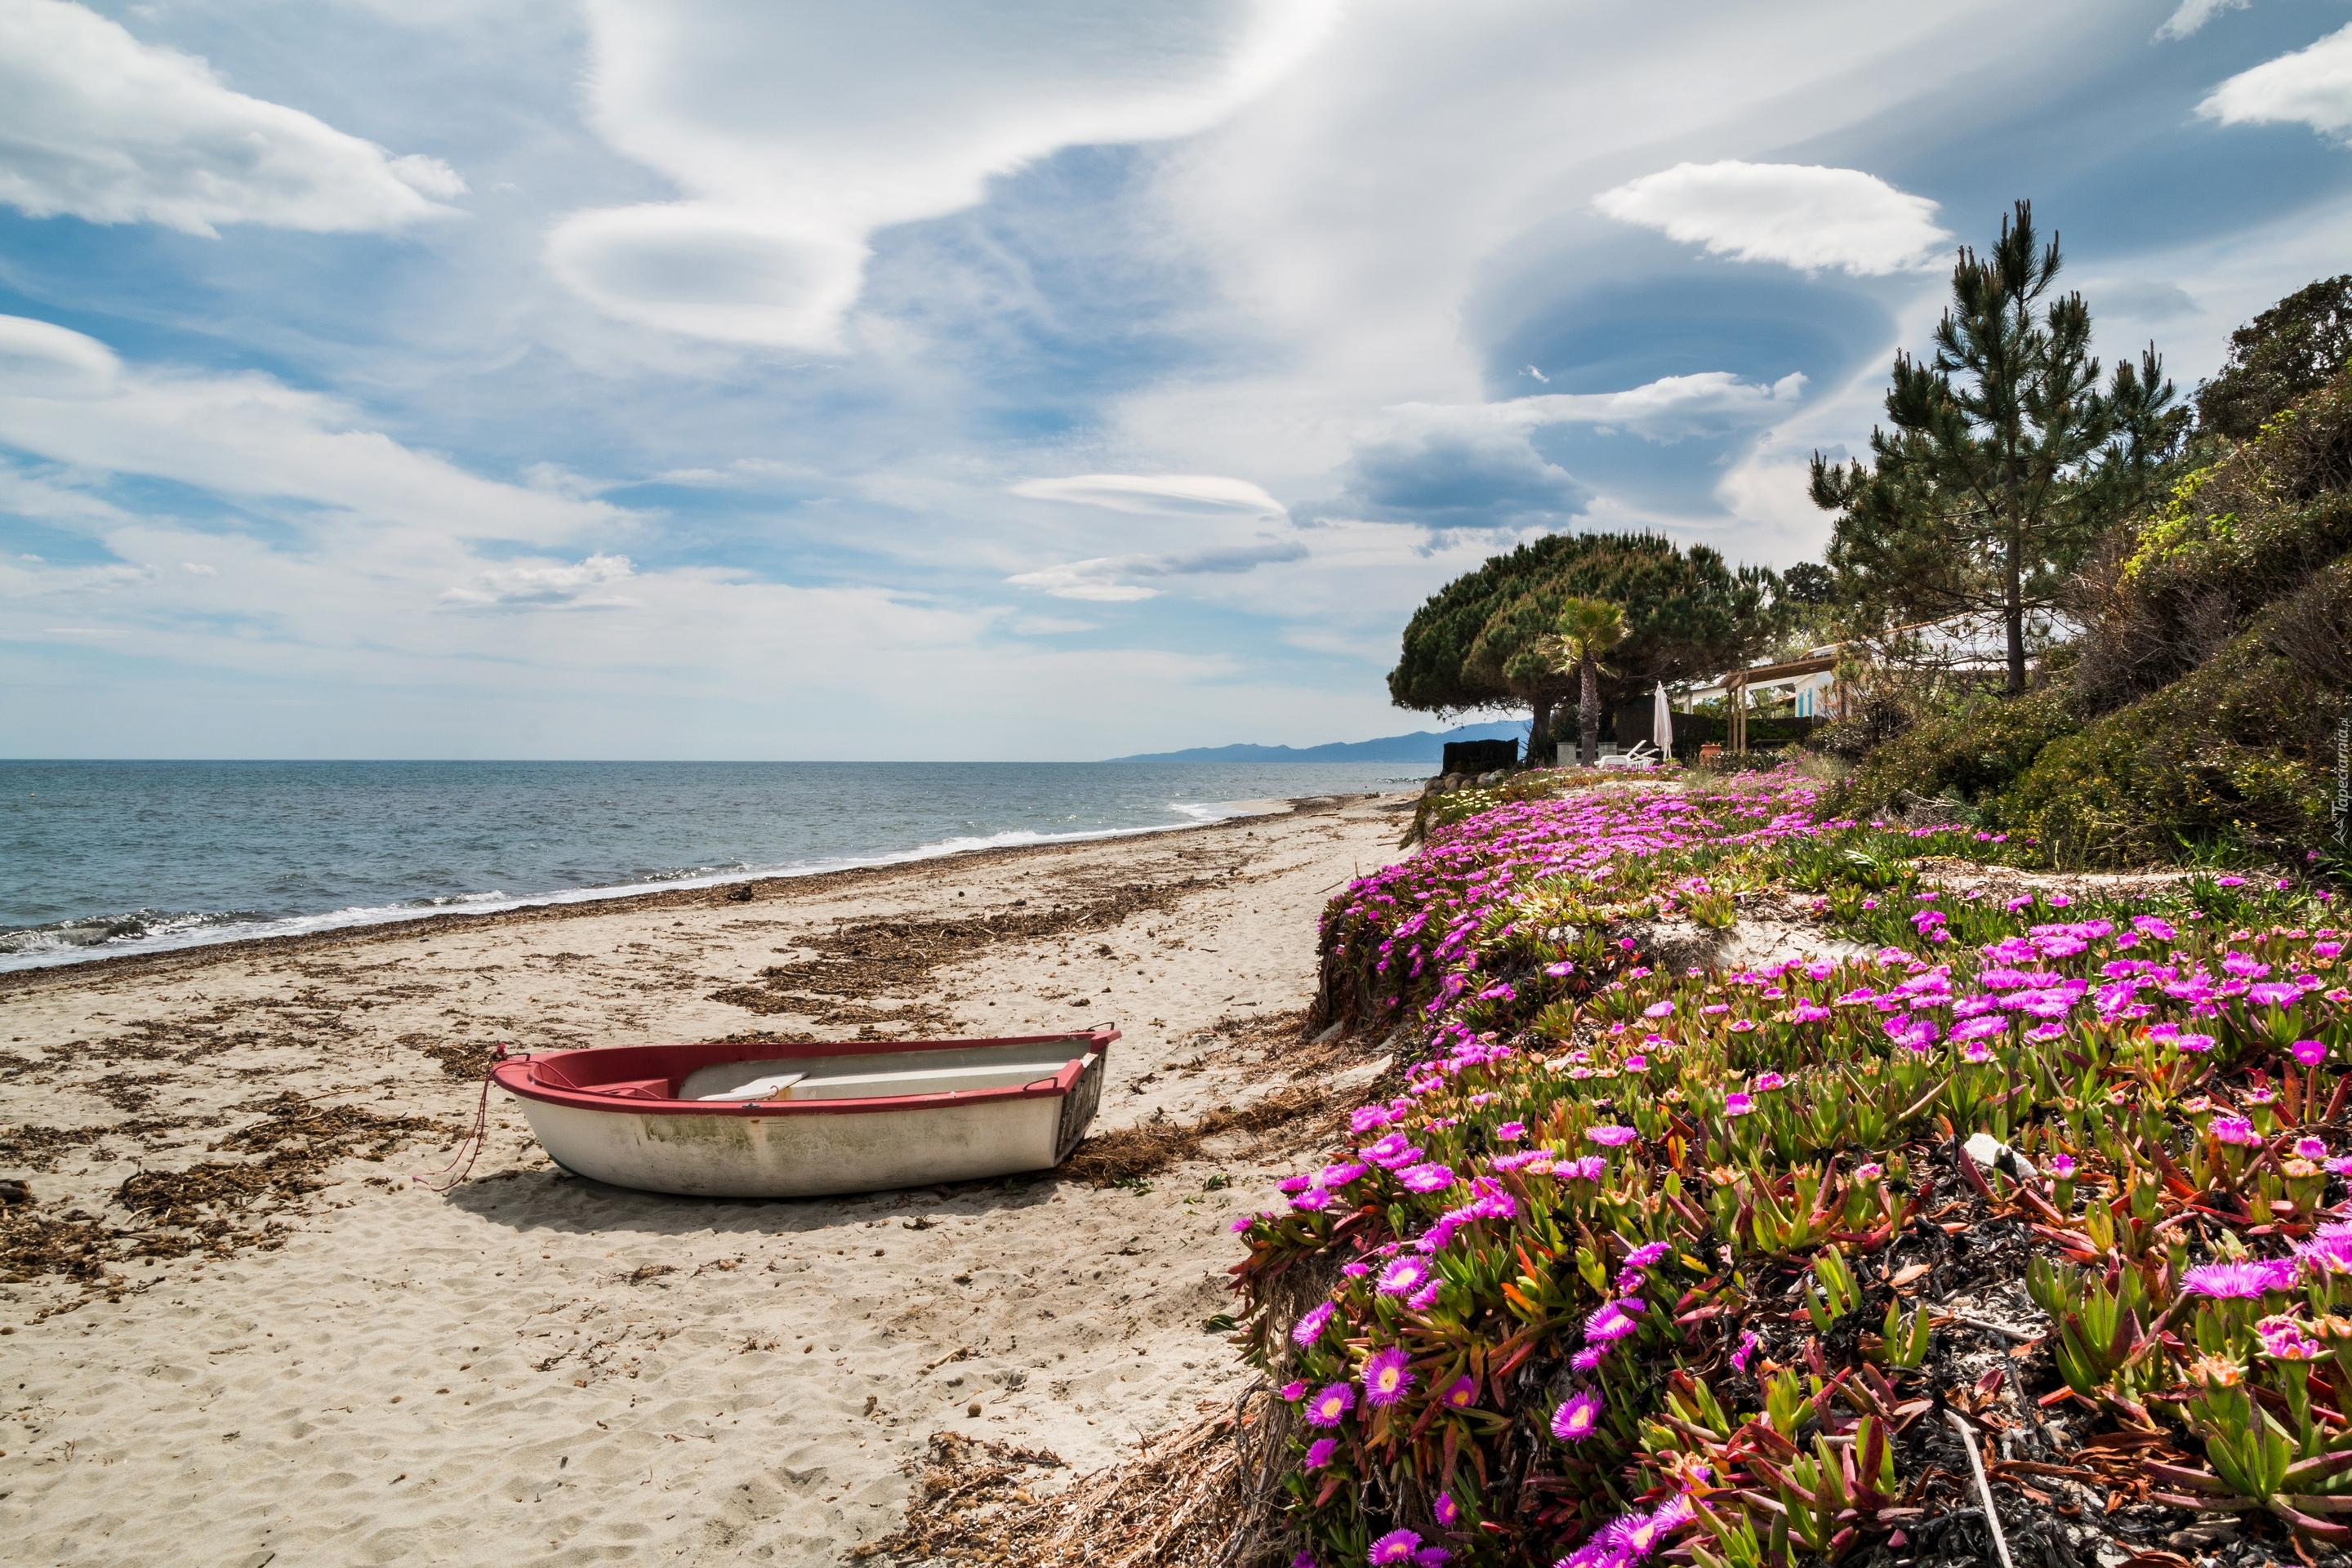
(101, 858)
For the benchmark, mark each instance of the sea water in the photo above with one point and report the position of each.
(107, 857)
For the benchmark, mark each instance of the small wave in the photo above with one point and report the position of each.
(454, 900)
(73, 938)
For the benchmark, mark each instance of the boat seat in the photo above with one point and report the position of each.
(774, 1086)
(839, 1077)
(927, 1080)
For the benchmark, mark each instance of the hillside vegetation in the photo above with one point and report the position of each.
(2199, 711)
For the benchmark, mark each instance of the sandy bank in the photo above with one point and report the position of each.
(535, 1368)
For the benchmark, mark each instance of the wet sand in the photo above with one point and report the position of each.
(352, 1368)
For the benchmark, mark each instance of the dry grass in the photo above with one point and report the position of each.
(1192, 1497)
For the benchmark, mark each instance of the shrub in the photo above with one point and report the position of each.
(1968, 750)
(2237, 535)
(2241, 751)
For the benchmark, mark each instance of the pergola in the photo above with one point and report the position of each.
(1740, 682)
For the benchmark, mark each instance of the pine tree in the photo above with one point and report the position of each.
(2007, 461)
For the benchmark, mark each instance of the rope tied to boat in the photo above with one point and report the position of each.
(474, 1136)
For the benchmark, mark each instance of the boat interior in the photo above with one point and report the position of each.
(862, 1075)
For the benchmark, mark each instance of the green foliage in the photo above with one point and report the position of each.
(1481, 640)
(2291, 350)
(2233, 537)
(1966, 749)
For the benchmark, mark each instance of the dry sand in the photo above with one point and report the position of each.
(537, 1368)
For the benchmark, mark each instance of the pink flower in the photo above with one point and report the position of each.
(1396, 1546)
(1461, 1394)
(1427, 1178)
(1320, 1452)
(1293, 1391)
(1614, 1321)
(1405, 1275)
(2310, 1053)
(1658, 1010)
(1511, 1131)
(2062, 1167)
(2283, 1339)
(2312, 1149)
(1309, 1327)
(1579, 1416)
(1330, 1406)
(1738, 1104)
(2238, 1281)
(2234, 1130)
(1387, 1377)
(1446, 1510)
(1767, 1082)
(1612, 1137)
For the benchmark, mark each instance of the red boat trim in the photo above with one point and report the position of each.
(521, 1076)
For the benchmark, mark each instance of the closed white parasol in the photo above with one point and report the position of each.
(1662, 723)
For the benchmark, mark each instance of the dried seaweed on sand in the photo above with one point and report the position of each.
(1127, 1153)
(860, 961)
(216, 1206)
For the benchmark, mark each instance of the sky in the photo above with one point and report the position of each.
(940, 379)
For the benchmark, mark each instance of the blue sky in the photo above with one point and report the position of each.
(676, 378)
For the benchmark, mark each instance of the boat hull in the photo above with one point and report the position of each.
(611, 1115)
(723, 1156)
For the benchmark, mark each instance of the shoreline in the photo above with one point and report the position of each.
(291, 1348)
(682, 893)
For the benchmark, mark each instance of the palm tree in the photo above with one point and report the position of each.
(1587, 630)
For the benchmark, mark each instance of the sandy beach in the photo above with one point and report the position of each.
(343, 1366)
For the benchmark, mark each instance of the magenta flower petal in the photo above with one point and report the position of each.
(1579, 1416)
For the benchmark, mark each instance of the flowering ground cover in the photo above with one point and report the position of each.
(1643, 1263)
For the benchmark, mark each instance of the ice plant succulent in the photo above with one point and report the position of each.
(1598, 1157)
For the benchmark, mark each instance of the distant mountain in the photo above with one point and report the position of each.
(1422, 746)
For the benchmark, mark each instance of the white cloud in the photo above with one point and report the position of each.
(49, 360)
(98, 125)
(1165, 495)
(1800, 215)
(2193, 15)
(66, 397)
(2313, 85)
(197, 569)
(1100, 579)
(793, 143)
(29, 576)
(1668, 409)
(1051, 626)
(547, 585)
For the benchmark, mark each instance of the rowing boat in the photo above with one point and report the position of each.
(764, 1120)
